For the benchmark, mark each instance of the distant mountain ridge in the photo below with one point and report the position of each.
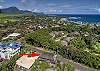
(15, 10)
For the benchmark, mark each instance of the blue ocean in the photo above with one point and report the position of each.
(92, 19)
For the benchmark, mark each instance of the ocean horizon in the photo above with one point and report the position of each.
(85, 18)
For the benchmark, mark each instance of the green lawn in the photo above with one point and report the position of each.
(40, 66)
(97, 46)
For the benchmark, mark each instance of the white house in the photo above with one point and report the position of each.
(8, 50)
(12, 35)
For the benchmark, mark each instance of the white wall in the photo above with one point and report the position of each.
(2, 55)
(10, 52)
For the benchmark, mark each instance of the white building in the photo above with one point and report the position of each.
(8, 50)
(12, 35)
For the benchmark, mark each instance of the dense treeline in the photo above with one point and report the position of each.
(92, 29)
(83, 43)
(80, 57)
(43, 39)
(9, 65)
(87, 35)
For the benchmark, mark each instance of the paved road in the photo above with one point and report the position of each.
(78, 67)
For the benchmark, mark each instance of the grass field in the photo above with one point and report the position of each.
(8, 15)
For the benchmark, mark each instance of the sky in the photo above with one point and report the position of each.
(55, 6)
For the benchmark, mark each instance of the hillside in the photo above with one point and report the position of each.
(15, 10)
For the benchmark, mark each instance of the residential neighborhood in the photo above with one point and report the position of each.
(32, 40)
(9, 49)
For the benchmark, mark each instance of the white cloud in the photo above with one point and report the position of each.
(1, 1)
(1, 7)
(66, 6)
(23, 1)
(60, 11)
(36, 10)
(51, 4)
(98, 10)
(52, 10)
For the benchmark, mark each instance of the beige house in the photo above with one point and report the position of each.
(26, 62)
